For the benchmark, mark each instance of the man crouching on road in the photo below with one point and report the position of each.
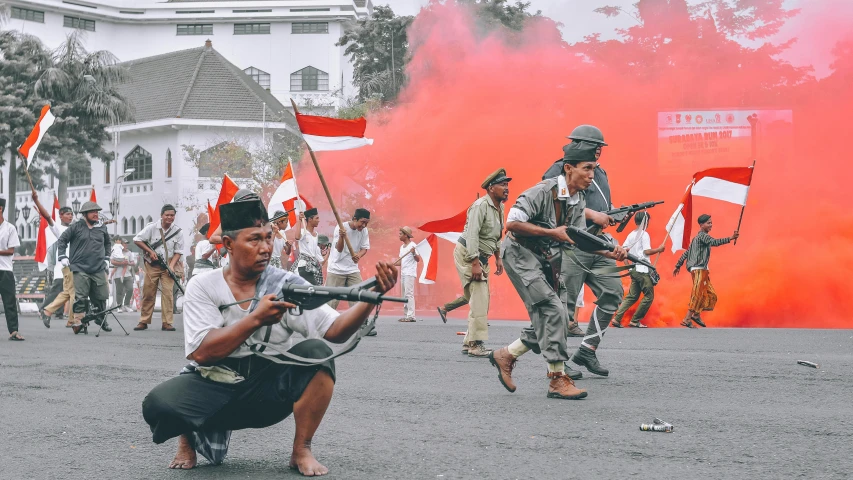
(227, 387)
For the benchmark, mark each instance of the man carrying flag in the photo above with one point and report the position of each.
(62, 289)
(702, 296)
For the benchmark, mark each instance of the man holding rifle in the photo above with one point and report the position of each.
(537, 229)
(229, 386)
(163, 245)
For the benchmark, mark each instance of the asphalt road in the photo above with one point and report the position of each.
(408, 405)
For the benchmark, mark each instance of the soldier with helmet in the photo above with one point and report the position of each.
(84, 247)
(578, 267)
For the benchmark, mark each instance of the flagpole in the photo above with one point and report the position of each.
(668, 231)
(743, 207)
(326, 189)
(753, 124)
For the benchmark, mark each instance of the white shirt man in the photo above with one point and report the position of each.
(637, 243)
(343, 270)
(408, 260)
(8, 242)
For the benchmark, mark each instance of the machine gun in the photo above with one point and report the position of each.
(592, 243)
(309, 297)
(623, 215)
(162, 262)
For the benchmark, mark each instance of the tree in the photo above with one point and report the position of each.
(494, 14)
(377, 47)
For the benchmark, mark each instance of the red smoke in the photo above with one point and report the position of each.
(475, 104)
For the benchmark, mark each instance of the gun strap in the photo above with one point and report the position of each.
(600, 271)
(156, 245)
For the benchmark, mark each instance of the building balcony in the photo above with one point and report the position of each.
(140, 188)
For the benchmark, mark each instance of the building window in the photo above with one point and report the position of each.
(132, 225)
(168, 163)
(251, 28)
(309, 9)
(79, 176)
(310, 27)
(260, 77)
(81, 23)
(195, 29)
(124, 225)
(29, 231)
(150, 220)
(309, 79)
(252, 11)
(225, 158)
(27, 14)
(140, 161)
(141, 223)
(107, 172)
(21, 235)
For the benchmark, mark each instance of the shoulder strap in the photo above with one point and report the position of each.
(162, 241)
(558, 207)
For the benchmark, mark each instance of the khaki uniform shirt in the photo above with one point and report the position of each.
(483, 228)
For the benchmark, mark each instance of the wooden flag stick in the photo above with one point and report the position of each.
(668, 231)
(743, 207)
(326, 189)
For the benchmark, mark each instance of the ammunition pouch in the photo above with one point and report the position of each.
(484, 259)
(550, 263)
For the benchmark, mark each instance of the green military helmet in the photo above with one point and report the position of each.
(588, 133)
(90, 207)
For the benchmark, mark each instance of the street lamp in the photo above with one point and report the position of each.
(75, 206)
(26, 211)
(114, 204)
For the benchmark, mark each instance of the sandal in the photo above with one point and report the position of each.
(637, 325)
(698, 320)
(16, 337)
(443, 314)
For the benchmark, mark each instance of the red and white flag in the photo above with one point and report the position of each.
(326, 134)
(286, 198)
(45, 238)
(730, 184)
(92, 197)
(31, 144)
(449, 229)
(226, 194)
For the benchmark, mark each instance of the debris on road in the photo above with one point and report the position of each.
(808, 364)
(653, 427)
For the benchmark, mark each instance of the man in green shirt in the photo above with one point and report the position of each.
(479, 242)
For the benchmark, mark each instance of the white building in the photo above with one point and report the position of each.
(288, 46)
(266, 52)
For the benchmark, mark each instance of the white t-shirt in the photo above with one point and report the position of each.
(201, 248)
(208, 290)
(309, 247)
(277, 246)
(8, 239)
(340, 263)
(408, 266)
(57, 230)
(637, 242)
(117, 253)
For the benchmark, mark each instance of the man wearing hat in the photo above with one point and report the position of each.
(703, 298)
(85, 249)
(536, 228)
(280, 244)
(309, 265)
(408, 263)
(343, 268)
(8, 242)
(484, 224)
(166, 240)
(227, 387)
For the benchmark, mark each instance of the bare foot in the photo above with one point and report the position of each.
(304, 461)
(186, 458)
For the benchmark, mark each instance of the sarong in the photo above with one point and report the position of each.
(311, 271)
(275, 262)
(702, 297)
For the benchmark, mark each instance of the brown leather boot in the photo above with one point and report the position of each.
(575, 330)
(504, 362)
(563, 387)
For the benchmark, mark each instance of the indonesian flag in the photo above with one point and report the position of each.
(226, 194)
(209, 214)
(326, 134)
(92, 197)
(727, 184)
(449, 229)
(45, 237)
(28, 149)
(286, 197)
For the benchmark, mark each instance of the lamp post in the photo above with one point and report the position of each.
(114, 203)
(75, 207)
(26, 212)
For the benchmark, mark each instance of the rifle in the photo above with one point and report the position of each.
(623, 215)
(162, 262)
(592, 243)
(310, 297)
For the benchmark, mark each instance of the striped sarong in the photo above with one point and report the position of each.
(702, 297)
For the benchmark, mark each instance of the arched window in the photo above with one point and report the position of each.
(309, 79)
(132, 225)
(29, 231)
(21, 233)
(149, 219)
(139, 160)
(260, 77)
(141, 223)
(124, 226)
(168, 163)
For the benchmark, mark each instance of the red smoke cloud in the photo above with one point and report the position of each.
(475, 104)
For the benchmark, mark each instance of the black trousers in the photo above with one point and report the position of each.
(10, 304)
(55, 290)
(188, 402)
